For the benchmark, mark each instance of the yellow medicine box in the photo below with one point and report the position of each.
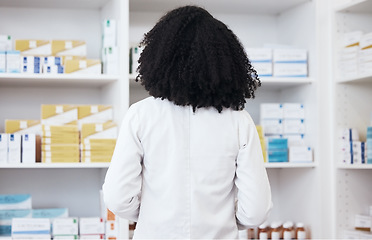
(32, 47)
(69, 48)
(106, 130)
(22, 126)
(59, 114)
(87, 66)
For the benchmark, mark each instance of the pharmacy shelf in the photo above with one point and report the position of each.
(356, 166)
(58, 80)
(356, 6)
(55, 165)
(290, 165)
(85, 4)
(357, 79)
(235, 7)
(269, 83)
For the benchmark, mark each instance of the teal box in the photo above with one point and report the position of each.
(50, 213)
(280, 155)
(6, 217)
(15, 201)
(277, 143)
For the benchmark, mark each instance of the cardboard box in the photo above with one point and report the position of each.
(365, 55)
(22, 126)
(59, 114)
(59, 154)
(61, 129)
(60, 160)
(109, 33)
(50, 213)
(294, 126)
(349, 134)
(48, 141)
(300, 154)
(13, 62)
(31, 146)
(293, 110)
(14, 148)
(31, 64)
(6, 43)
(272, 126)
(92, 237)
(30, 228)
(66, 237)
(271, 111)
(106, 130)
(15, 201)
(60, 147)
(92, 142)
(92, 226)
(94, 114)
(3, 148)
(6, 217)
(29, 47)
(290, 56)
(290, 70)
(87, 66)
(350, 53)
(65, 226)
(2, 61)
(69, 48)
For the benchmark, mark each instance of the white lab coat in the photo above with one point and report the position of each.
(186, 175)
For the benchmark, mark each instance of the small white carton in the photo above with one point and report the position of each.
(13, 61)
(31, 228)
(293, 110)
(3, 148)
(14, 148)
(92, 226)
(272, 126)
(2, 61)
(65, 226)
(294, 126)
(271, 111)
(300, 154)
(28, 148)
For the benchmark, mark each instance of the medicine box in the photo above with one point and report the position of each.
(3, 148)
(300, 154)
(295, 139)
(53, 69)
(65, 226)
(349, 134)
(51, 61)
(66, 237)
(31, 64)
(110, 60)
(365, 41)
(272, 126)
(31, 47)
(31, 144)
(94, 114)
(134, 55)
(290, 56)
(50, 213)
(6, 217)
(22, 126)
(293, 111)
(276, 143)
(106, 130)
(14, 148)
(362, 222)
(280, 155)
(2, 61)
(350, 53)
(87, 66)
(13, 61)
(290, 70)
(294, 126)
(112, 229)
(351, 38)
(6, 43)
(15, 201)
(92, 237)
(59, 114)
(365, 55)
(69, 48)
(30, 228)
(271, 111)
(261, 59)
(109, 33)
(92, 226)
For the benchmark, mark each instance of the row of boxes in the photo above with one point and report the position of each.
(279, 62)
(16, 148)
(352, 150)
(110, 50)
(355, 55)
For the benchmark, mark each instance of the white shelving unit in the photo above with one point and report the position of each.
(55, 165)
(351, 98)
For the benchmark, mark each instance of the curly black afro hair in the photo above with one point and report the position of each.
(191, 58)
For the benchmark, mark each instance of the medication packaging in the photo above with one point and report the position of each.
(87, 66)
(300, 154)
(290, 62)
(50, 213)
(31, 144)
(293, 126)
(295, 139)
(15, 201)
(31, 64)
(69, 48)
(30, 228)
(3, 148)
(59, 114)
(94, 114)
(362, 222)
(134, 55)
(365, 41)
(14, 148)
(65, 226)
(261, 59)
(6, 217)
(92, 226)
(271, 111)
(110, 60)
(293, 111)
(272, 126)
(6, 43)
(22, 126)
(109, 33)
(352, 38)
(2, 61)
(30, 47)
(13, 61)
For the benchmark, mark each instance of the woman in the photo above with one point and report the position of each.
(188, 161)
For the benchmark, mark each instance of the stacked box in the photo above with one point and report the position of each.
(13, 61)
(65, 228)
(16, 201)
(6, 43)
(92, 228)
(23, 126)
(369, 146)
(98, 141)
(110, 51)
(348, 54)
(290, 63)
(94, 114)
(30, 228)
(353, 151)
(262, 141)
(262, 61)
(277, 149)
(365, 54)
(50, 213)
(30, 47)
(134, 55)
(52, 65)
(83, 66)
(31, 64)
(14, 148)
(68, 48)
(6, 217)
(60, 138)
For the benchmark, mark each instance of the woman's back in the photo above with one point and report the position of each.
(189, 170)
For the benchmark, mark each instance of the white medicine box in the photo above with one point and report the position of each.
(293, 110)
(271, 111)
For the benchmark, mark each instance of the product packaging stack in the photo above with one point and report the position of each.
(98, 141)
(369, 145)
(60, 138)
(284, 129)
(262, 60)
(365, 54)
(290, 63)
(92, 228)
(65, 228)
(13, 206)
(31, 228)
(110, 51)
(24, 141)
(262, 141)
(134, 55)
(353, 151)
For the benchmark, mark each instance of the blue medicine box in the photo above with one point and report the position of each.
(280, 155)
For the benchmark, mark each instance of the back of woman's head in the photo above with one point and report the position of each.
(191, 58)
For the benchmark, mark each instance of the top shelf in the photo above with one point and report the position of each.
(217, 6)
(355, 6)
(71, 4)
